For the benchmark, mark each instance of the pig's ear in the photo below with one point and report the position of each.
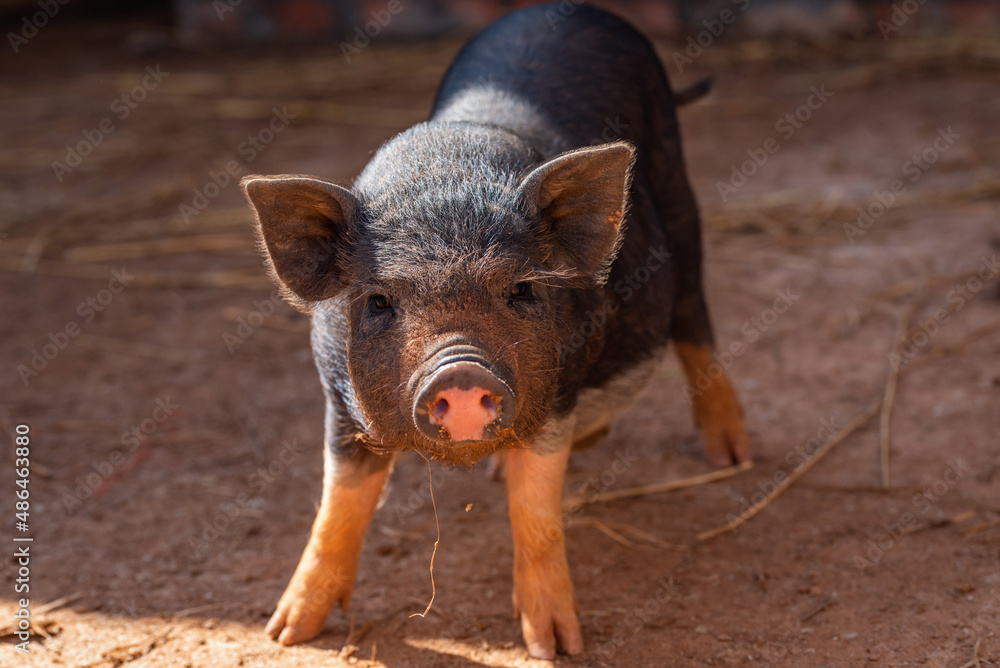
(304, 226)
(577, 201)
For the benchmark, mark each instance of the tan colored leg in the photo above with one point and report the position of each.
(326, 571)
(543, 591)
(716, 407)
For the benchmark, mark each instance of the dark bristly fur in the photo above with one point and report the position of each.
(552, 158)
(442, 199)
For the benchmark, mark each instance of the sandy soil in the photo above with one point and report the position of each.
(835, 572)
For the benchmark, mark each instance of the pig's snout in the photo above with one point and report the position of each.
(463, 401)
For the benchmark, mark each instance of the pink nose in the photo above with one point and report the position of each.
(464, 414)
(463, 400)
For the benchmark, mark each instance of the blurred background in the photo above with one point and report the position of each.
(203, 22)
(848, 155)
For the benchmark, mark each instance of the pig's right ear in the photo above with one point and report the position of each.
(304, 226)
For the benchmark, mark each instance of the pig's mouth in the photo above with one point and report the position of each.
(459, 398)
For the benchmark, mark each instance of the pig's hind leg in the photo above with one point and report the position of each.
(352, 487)
(717, 409)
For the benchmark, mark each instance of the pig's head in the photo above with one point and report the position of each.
(440, 283)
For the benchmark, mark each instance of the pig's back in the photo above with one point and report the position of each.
(588, 77)
(588, 74)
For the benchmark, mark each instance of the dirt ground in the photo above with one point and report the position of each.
(175, 436)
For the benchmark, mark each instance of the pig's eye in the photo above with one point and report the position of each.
(379, 303)
(521, 290)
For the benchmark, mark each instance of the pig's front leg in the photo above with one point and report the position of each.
(325, 574)
(543, 591)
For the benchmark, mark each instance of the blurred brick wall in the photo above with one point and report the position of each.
(297, 21)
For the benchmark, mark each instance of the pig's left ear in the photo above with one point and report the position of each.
(305, 227)
(577, 202)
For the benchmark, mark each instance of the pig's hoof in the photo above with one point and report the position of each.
(303, 608)
(720, 417)
(727, 444)
(292, 623)
(548, 619)
(547, 630)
